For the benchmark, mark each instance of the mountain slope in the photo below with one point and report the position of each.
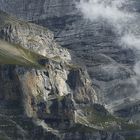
(109, 65)
(47, 101)
(57, 102)
(13, 54)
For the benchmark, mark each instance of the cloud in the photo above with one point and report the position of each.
(111, 10)
(116, 13)
(131, 41)
(124, 23)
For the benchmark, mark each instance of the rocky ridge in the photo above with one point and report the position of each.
(41, 89)
(109, 65)
(52, 97)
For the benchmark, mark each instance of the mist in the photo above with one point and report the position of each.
(123, 18)
(110, 10)
(116, 13)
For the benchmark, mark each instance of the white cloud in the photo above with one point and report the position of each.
(123, 21)
(107, 9)
(115, 12)
(131, 41)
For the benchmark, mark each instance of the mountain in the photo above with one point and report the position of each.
(109, 65)
(59, 95)
(43, 94)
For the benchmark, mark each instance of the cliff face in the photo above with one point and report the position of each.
(60, 97)
(52, 96)
(109, 65)
(43, 93)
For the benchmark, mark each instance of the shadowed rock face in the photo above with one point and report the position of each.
(94, 44)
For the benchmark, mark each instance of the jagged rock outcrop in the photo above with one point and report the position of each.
(109, 65)
(52, 97)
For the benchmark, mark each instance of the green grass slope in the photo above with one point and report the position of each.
(17, 55)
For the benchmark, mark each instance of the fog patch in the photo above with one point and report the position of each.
(131, 41)
(124, 22)
(111, 10)
(114, 12)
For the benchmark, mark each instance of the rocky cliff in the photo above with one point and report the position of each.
(60, 97)
(43, 94)
(109, 65)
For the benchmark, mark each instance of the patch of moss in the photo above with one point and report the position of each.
(72, 66)
(17, 55)
(98, 117)
(107, 121)
(81, 129)
(126, 126)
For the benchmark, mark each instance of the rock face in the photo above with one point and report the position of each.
(52, 97)
(109, 66)
(60, 110)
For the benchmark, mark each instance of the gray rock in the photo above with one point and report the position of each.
(93, 43)
(48, 97)
(109, 66)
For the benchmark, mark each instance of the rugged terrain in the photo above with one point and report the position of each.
(44, 95)
(109, 65)
(54, 91)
